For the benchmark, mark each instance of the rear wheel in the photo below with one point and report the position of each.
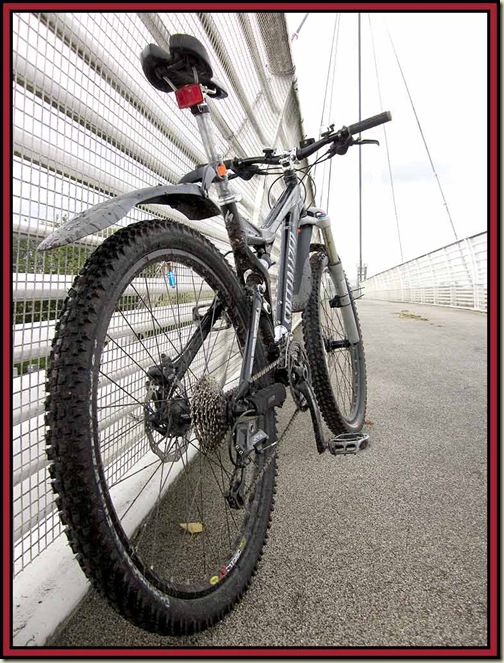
(141, 454)
(338, 369)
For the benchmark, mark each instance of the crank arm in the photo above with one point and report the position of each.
(306, 389)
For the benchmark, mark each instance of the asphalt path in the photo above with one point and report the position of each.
(384, 548)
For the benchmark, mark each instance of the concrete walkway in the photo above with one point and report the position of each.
(386, 548)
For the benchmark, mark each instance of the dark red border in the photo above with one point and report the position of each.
(253, 652)
(251, 6)
(493, 649)
(494, 330)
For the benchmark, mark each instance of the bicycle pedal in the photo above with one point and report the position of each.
(347, 443)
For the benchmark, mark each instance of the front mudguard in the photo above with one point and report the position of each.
(190, 199)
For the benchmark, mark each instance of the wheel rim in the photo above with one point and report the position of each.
(169, 510)
(340, 361)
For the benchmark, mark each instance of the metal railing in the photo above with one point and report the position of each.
(454, 275)
(87, 126)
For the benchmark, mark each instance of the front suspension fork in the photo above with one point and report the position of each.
(340, 283)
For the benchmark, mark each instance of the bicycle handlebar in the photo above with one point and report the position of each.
(343, 135)
(339, 137)
(370, 122)
(340, 141)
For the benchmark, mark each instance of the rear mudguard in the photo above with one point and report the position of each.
(190, 199)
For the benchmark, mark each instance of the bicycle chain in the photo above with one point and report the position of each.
(257, 376)
(254, 483)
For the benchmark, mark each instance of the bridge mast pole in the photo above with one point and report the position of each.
(359, 275)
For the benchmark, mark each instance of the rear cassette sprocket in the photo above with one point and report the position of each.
(209, 413)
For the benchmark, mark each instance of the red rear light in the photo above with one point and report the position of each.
(189, 95)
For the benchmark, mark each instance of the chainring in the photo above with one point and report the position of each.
(298, 369)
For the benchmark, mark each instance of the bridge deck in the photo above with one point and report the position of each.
(386, 548)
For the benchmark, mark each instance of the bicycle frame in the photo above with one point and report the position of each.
(285, 215)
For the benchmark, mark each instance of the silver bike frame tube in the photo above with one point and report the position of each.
(205, 127)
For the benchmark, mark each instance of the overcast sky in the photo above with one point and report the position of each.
(443, 58)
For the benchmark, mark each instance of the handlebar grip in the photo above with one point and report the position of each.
(370, 122)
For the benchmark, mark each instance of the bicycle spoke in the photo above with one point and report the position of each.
(140, 492)
(144, 525)
(161, 329)
(129, 476)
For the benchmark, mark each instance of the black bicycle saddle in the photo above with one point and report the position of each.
(186, 62)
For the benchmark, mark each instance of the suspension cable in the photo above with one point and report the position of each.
(330, 114)
(331, 66)
(331, 110)
(423, 137)
(296, 34)
(386, 141)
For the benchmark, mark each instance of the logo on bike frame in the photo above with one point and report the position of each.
(291, 243)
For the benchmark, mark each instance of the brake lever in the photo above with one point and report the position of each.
(342, 148)
(366, 141)
(245, 172)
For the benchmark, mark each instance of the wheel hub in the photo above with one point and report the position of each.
(169, 418)
(331, 344)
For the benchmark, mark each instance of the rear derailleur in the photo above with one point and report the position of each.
(248, 439)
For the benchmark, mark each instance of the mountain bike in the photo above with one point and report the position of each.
(168, 365)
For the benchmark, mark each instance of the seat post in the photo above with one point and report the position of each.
(205, 126)
(204, 122)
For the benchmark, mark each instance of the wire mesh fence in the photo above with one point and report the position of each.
(88, 126)
(455, 275)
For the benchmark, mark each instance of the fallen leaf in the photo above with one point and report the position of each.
(192, 528)
(413, 316)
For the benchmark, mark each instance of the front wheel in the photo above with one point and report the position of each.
(338, 369)
(149, 346)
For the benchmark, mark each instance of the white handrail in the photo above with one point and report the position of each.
(454, 275)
